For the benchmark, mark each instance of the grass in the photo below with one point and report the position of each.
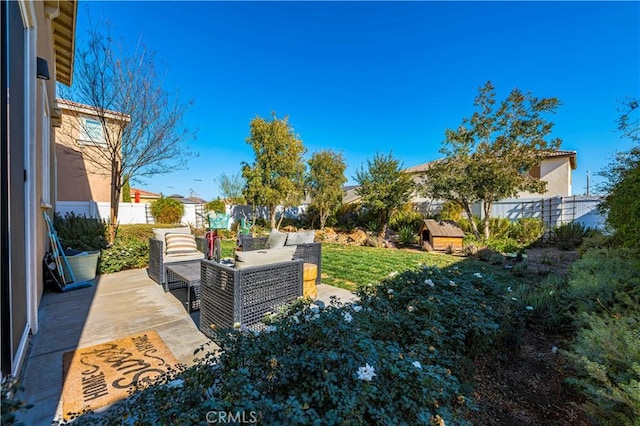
(347, 266)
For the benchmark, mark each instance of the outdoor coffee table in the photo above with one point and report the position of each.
(186, 275)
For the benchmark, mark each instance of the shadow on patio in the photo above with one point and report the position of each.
(119, 305)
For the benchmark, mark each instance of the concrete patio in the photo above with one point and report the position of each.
(120, 304)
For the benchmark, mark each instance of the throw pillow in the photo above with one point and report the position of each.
(276, 239)
(247, 259)
(301, 237)
(159, 233)
(180, 244)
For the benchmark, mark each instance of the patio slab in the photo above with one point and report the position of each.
(120, 304)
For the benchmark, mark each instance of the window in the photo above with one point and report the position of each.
(535, 172)
(91, 132)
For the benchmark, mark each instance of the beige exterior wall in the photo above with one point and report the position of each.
(79, 179)
(556, 171)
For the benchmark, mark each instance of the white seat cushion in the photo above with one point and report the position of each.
(300, 237)
(247, 259)
(276, 239)
(166, 259)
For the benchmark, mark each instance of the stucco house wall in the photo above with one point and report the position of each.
(84, 167)
(33, 32)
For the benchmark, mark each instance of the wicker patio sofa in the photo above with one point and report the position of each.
(309, 252)
(159, 259)
(230, 295)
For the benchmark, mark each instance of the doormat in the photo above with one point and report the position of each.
(103, 374)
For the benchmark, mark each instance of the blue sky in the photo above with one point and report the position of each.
(367, 77)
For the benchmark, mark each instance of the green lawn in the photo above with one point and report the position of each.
(346, 266)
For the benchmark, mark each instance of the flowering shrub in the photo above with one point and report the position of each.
(124, 253)
(399, 356)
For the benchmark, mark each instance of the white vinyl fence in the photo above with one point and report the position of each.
(553, 211)
(130, 213)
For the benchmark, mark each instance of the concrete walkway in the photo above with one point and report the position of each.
(119, 305)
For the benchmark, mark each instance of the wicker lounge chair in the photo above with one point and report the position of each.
(158, 259)
(229, 295)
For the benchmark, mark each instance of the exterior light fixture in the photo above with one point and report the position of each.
(42, 69)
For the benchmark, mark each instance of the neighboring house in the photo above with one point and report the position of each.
(37, 51)
(142, 196)
(83, 162)
(556, 169)
(349, 194)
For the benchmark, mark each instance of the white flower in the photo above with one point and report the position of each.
(366, 373)
(477, 275)
(509, 289)
(455, 267)
(393, 274)
(271, 328)
(236, 325)
(295, 319)
(529, 308)
(357, 308)
(514, 299)
(417, 364)
(452, 284)
(177, 383)
(347, 316)
(410, 308)
(554, 349)
(314, 309)
(429, 282)
(390, 291)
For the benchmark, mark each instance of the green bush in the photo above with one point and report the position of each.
(548, 304)
(407, 236)
(465, 225)
(167, 210)
(347, 216)
(124, 253)
(595, 240)
(606, 355)
(406, 218)
(499, 227)
(81, 232)
(569, 236)
(450, 211)
(11, 403)
(605, 281)
(217, 206)
(526, 231)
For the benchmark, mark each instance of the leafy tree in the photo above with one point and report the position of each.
(277, 175)
(231, 187)
(622, 204)
(324, 182)
(140, 132)
(489, 156)
(384, 187)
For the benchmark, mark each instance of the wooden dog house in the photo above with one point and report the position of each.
(441, 235)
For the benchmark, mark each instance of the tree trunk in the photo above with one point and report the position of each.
(323, 218)
(467, 209)
(485, 221)
(116, 187)
(272, 216)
